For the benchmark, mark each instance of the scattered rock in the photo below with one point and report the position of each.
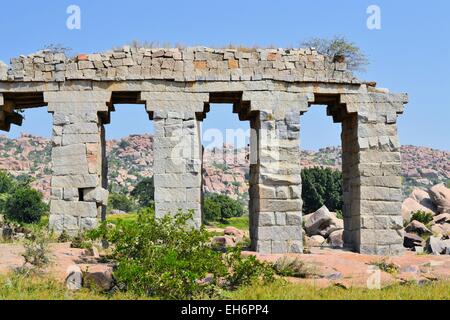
(409, 206)
(411, 241)
(418, 228)
(441, 197)
(99, 277)
(336, 239)
(442, 218)
(74, 279)
(224, 242)
(318, 221)
(423, 197)
(318, 239)
(6, 233)
(234, 232)
(437, 246)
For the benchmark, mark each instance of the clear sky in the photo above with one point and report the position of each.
(411, 52)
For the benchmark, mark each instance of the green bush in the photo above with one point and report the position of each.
(7, 182)
(120, 202)
(422, 216)
(321, 186)
(144, 193)
(25, 205)
(221, 207)
(165, 258)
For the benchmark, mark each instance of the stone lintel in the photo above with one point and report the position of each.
(278, 101)
(175, 102)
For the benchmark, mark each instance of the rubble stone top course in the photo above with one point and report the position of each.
(181, 65)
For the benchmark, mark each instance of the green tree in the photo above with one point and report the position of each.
(144, 193)
(221, 207)
(25, 205)
(321, 186)
(122, 202)
(7, 182)
(339, 48)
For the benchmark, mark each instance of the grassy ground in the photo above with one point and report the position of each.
(281, 290)
(24, 288)
(16, 287)
(241, 223)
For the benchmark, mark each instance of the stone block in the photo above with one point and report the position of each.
(60, 222)
(69, 139)
(75, 181)
(97, 195)
(72, 208)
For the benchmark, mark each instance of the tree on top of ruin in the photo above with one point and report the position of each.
(339, 49)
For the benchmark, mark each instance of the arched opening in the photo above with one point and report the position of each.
(129, 158)
(226, 163)
(326, 169)
(26, 148)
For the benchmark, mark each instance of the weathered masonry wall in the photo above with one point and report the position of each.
(270, 88)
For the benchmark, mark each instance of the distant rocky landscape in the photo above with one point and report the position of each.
(225, 170)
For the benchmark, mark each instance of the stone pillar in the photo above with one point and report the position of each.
(177, 152)
(78, 195)
(371, 170)
(275, 180)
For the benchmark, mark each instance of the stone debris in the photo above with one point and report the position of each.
(438, 230)
(74, 279)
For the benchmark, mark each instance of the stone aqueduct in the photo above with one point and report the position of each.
(270, 88)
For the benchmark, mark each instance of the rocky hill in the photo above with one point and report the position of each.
(226, 170)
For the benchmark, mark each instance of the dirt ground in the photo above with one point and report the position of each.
(330, 266)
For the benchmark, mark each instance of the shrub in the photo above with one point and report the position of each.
(321, 186)
(165, 258)
(144, 193)
(7, 182)
(120, 202)
(422, 216)
(221, 207)
(340, 47)
(36, 252)
(288, 267)
(25, 205)
(244, 271)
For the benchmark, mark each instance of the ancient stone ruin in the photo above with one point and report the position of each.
(269, 88)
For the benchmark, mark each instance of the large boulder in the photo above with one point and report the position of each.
(336, 239)
(440, 195)
(442, 218)
(423, 197)
(418, 228)
(99, 277)
(411, 241)
(437, 246)
(237, 234)
(318, 222)
(410, 206)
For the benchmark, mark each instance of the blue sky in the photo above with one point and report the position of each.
(409, 54)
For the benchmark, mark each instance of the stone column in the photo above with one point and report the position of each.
(275, 180)
(78, 196)
(177, 152)
(372, 173)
